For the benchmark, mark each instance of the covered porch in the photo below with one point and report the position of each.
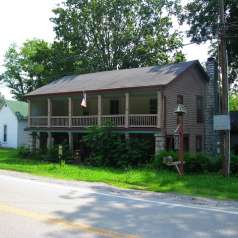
(120, 109)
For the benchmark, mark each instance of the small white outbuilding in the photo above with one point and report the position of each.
(13, 121)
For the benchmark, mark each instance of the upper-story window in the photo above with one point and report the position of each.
(198, 143)
(199, 108)
(5, 133)
(179, 99)
(114, 107)
(153, 106)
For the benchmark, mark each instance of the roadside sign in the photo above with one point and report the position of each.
(221, 122)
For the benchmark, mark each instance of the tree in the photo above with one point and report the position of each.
(202, 16)
(233, 102)
(102, 35)
(35, 64)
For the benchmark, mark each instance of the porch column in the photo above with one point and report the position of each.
(159, 108)
(70, 111)
(37, 140)
(70, 141)
(49, 111)
(49, 140)
(159, 143)
(99, 110)
(29, 113)
(127, 96)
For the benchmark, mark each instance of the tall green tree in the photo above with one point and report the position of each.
(233, 102)
(202, 17)
(104, 34)
(35, 64)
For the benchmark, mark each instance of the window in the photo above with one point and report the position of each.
(199, 106)
(114, 107)
(186, 142)
(198, 143)
(153, 106)
(179, 99)
(5, 133)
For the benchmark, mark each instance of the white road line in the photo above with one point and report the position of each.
(91, 191)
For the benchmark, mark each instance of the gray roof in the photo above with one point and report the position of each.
(116, 79)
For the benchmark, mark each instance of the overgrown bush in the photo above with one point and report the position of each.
(194, 163)
(234, 164)
(110, 149)
(24, 152)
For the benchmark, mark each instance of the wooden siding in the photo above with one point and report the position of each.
(190, 84)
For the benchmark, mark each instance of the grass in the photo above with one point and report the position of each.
(206, 185)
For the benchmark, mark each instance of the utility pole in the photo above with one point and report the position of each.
(225, 135)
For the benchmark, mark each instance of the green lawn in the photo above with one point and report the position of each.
(208, 185)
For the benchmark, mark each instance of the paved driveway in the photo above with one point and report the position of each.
(38, 207)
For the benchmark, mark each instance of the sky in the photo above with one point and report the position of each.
(26, 19)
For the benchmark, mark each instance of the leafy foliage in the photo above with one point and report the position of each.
(110, 149)
(233, 102)
(35, 64)
(102, 35)
(194, 163)
(202, 16)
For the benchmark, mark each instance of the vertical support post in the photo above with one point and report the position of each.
(37, 140)
(127, 108)
(29, 113)
(49, 111)
(99, 110)
(70, 111)
(70, 141)
(49, 140)
(127, 136)
(159, 108)
(159, 143)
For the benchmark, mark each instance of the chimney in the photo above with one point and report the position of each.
(211, 107)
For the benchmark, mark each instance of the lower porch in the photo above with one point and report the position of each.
(73, 140)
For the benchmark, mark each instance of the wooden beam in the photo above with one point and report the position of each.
(29, 113)
(99, 110)
(159, 108)
(70, 111)
(127, 105)
(49, 111)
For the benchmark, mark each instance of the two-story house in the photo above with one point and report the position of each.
(137, 101)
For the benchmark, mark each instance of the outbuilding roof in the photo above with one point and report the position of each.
(116, 79)
(19, 108)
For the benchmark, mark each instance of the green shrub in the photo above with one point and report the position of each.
(110, 149)
(158, 159)
(24, 152)
(234, 164)
(194, 163)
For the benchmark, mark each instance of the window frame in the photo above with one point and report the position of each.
(116, 105)
(5, 133)
(153, 105)
(199, 111)
(180, 99)
(199, 140)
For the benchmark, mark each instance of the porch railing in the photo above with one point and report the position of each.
(114, 120)
(59, 121)
(84, 121)
(134, 120)
(40, 121)
(143, 120)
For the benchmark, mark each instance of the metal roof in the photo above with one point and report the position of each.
(19, 108)
(116, 79)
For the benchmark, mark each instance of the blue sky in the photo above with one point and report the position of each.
(26, 19)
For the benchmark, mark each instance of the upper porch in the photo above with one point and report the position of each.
(140, 109)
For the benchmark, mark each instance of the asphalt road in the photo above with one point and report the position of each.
(39, 208)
